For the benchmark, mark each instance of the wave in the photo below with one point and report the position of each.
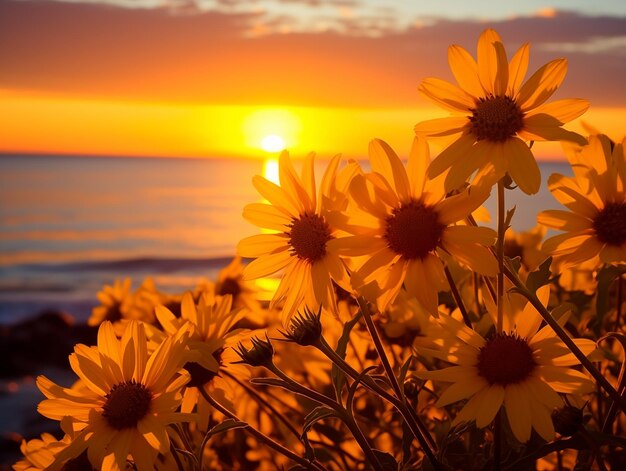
(135, 264)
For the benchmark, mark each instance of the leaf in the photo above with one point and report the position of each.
(540, 277)
(338, 377)
(403, 371)
(386, 460)
(606, 276)
(319, 413)
(513, 264)
(509, 217)
(226, 425)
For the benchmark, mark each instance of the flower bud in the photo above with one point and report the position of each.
(260, 354)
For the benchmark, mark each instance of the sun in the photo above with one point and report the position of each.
(272, 143)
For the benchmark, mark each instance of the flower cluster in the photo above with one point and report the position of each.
(401, 332)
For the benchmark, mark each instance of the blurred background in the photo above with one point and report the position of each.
(130, 129)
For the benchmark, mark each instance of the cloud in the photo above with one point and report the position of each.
(215, 57)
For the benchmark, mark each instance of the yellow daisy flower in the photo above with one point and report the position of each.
(119, 305)
(595, 224)
(496, 113)
(522, 368)
(212, 321)
(402, 219)
(130, 400)
(299, 243)
(39, 454)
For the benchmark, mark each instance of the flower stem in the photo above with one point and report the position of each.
(371, 327)
(500, 254)
(261, 436)
(408, 414)
(346, 417)
(457, 297)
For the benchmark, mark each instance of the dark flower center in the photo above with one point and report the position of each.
(610, 224)
(505, 359)
(308, 236)
(126, 404)
(114, 313)
(413, 230)
(496, 118)
(199, 374)
(230, 286)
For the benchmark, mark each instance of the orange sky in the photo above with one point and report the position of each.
(105, 80)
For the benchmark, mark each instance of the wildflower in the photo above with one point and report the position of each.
(595, 224)
(305, 328)
(119, 305)
(523, 368)
(260, 354)
(299, 244)
(212, 333)
(403, 220)
(495, 113)
(129, 400)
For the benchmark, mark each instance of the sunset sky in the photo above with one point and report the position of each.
(215, 78)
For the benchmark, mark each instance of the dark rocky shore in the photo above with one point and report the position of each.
(39, 345)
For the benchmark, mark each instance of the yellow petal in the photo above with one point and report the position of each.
(522, 166)
(563, 110)
(489, 405)
(563, 220)
(465, 71)
(268, 216)
(267, 265)
(487, 59)
(447, 95)
(517, 69)
(542, 84)
(385, 161)
(451, 154)
(262, 244)
(518, 411)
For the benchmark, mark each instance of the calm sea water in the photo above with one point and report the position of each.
(68, 225)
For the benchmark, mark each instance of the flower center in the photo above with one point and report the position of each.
(610, 224)
(308, 236)
(199, 374)
(496, 118)
(230, 286)
(413, 230)
(505, 359)
(114, 313)
(126, 404)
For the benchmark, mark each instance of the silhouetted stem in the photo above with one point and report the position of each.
(341, 413)
(500, 254)
(371, 327)
(457, 297)
(260, 435)
(408, 414)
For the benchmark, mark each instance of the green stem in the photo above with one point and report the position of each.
(341, 412)
(261, 436)
(371, 327)
(407, 413)
(275, 413)
(500, 254)
(457, 297)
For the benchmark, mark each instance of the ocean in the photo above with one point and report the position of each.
(69, 225)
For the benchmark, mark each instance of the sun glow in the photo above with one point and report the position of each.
(270, 170)
(272, 129)
(272, 143)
